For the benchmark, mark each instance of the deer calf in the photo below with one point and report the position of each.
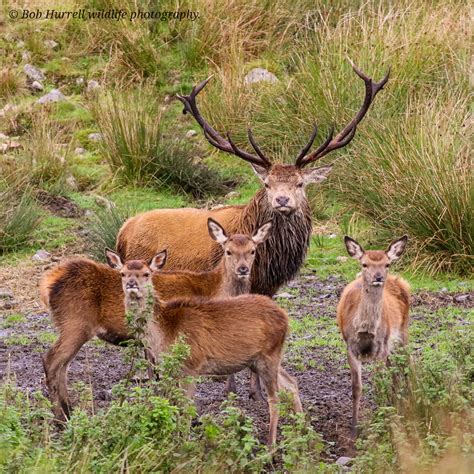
(85, 299)
(372, 313)
(224, 335)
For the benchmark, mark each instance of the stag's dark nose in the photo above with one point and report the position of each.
(282, 200)
(378, 277)
(131, 284)
(243, 270)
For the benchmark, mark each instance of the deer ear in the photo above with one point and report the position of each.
(262, 233)
(216, 231)
(158, 261)
(316, 175)
(113, 259)
(260, 171)
(396, 248)
(353, 248)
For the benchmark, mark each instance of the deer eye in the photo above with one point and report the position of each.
(300, 185)
(364, 265)
(267, 185)
(122, 274)
(146, 275)
(387, 265)
(253, 252)
(228, 252)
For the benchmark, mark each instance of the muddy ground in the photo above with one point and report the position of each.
(321, 369)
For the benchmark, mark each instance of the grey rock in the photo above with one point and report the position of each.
(80, 81)
(95, 137)
(92, 85)
(232, 195)
(191, 133)
(33, 73)
(343, 461)
(37, 86)
(461, 298)
(285, 295)
(79, 151)
(51, 44)
(5, 293)
(54, 96)
(444, 290)
(41, 256)
(103, 202)
(72, 183)
(259, 74)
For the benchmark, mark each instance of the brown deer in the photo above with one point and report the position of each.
(282, 201)
(85, 299)
(224, 335)
(372, 313)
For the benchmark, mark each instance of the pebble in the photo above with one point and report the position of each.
(33, 73)
(79, 150)
(92, 85)
(37, 86)
(95, 137)
(5, 293)
(232, 195)
(342, 258)
(285, 295)
(103, 202)
(344, 461)
(51, 44)
(259, 74)
(191, 133)
(41, 256)
(462, 298)
(54, 96)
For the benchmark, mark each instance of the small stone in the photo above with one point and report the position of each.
(51, 44)
(92, 85)
(332, 236)
(95, 137)
(72, 183)
(444, 290)
(284, 295)
(79, 81)
(343, 461)
(103, 202)
(41, 256)
(5, 293)
(259, 74)
(462, 298)
(25, 56)
(33, 73)
(232, 195)
(20, 44)
(191, 133)
(342, 258)
(54, 96)
(79, 150)
(37, 86)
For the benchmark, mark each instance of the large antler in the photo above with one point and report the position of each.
(213, 137)
(347, 134)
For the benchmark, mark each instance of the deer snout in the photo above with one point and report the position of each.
(131, 285)
(378, 279)
(243, 270)
(282, 200)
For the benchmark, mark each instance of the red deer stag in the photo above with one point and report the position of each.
(224, 335)
(282, 201)
(372, 313)
(85, 299)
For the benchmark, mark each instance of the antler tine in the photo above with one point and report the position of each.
(256, 147)
(213, 137)
(308, 146)
(348, 132)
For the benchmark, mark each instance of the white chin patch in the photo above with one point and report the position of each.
(377, 283)
(243, 277)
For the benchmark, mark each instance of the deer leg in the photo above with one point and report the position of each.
(150, 358)
(268, 372)
(255, 389)
(356, 378)
(56, 363)
(230, 386)
(289, 383)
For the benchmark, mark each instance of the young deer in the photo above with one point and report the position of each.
(224, 335)
(85, 299)
(372, 313)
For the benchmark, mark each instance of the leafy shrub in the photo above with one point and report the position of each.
(139, 151)
(19, 215)
(424, 419)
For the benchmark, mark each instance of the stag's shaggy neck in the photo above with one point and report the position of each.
(280, 257)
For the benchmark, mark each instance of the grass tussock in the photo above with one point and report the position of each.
(19, 214)
(139, 150)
